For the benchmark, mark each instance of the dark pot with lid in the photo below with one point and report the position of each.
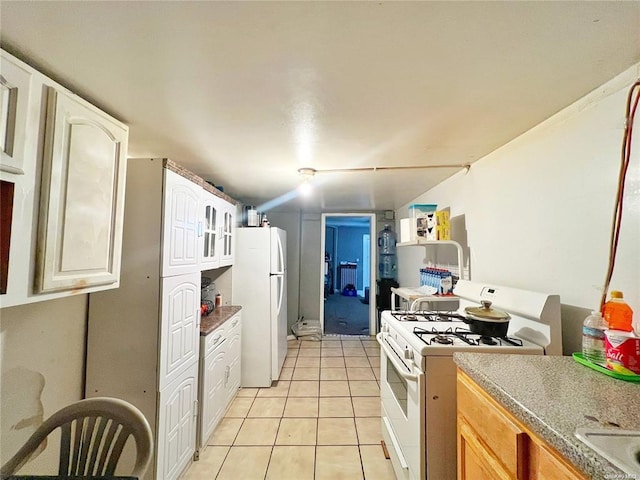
(487, 321)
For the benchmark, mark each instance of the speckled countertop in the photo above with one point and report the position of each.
(553, 396)
(216, 318)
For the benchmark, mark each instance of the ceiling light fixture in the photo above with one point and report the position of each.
(307, 174)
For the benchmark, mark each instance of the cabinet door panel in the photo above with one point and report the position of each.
(182, 224)
(233, 362)
(82, 201)
(475, 462)
(210, 251)
(228, 213)
(179, 342)
(15, 88)
(176, 425)
(214, 393)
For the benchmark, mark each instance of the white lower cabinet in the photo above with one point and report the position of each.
(219, 375)
(177, 415)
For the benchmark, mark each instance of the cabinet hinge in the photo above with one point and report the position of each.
(195, 408)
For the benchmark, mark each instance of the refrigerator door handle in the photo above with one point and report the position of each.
(279, 255)
(280, 293)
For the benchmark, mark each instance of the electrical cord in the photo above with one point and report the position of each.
(632, 104)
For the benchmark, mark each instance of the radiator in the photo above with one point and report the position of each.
(348, 275)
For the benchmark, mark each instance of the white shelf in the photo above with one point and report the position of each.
(430, 243)
(421, 242)
(411, 294)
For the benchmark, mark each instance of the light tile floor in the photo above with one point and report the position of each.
(321, 420)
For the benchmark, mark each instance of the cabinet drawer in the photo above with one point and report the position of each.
(215, 339)
(234, 324)
(493, 427)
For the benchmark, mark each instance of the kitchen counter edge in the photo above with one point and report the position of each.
(216, 318)
(553, 395)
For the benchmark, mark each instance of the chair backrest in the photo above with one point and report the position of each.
(94, 432)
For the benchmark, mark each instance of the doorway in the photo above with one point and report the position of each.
(348, 263)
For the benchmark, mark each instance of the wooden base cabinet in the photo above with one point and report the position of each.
(492, 444)
(219, 376)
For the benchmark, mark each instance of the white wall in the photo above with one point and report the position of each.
(538, 210)
(42, 367)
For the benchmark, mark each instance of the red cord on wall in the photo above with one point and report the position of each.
(632, 104)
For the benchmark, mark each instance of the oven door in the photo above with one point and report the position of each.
(402, 386)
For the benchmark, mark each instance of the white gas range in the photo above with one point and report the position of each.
(418, 375)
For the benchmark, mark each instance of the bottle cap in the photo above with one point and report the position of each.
(616, 294)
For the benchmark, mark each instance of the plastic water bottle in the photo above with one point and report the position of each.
(387, 258)
(593, 342)
(617, 313)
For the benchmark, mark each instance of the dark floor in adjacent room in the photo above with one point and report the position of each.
(345, 315)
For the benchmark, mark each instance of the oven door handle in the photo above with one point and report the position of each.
(393, 358)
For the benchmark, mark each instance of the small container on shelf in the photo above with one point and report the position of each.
(422, 220)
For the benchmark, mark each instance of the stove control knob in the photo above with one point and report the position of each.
(408, 354)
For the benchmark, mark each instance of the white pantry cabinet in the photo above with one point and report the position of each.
(219, 375)
(143, 338)
(65, 161)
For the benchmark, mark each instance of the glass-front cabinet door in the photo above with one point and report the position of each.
(210, 231)
(228, 211)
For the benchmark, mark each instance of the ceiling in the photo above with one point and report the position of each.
(246, 93)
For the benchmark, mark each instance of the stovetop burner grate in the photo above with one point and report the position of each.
(426, 316)
(434, 336)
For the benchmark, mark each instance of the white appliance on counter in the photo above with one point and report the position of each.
(260, 287)
(418, 375)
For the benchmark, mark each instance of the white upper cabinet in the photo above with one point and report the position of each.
(211, 244)
(15, 89)
(65, 162)
(182, 230)
(82, 196)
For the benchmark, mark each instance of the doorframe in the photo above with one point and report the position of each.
(373, 320)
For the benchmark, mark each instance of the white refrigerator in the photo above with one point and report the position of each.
(260, 288)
